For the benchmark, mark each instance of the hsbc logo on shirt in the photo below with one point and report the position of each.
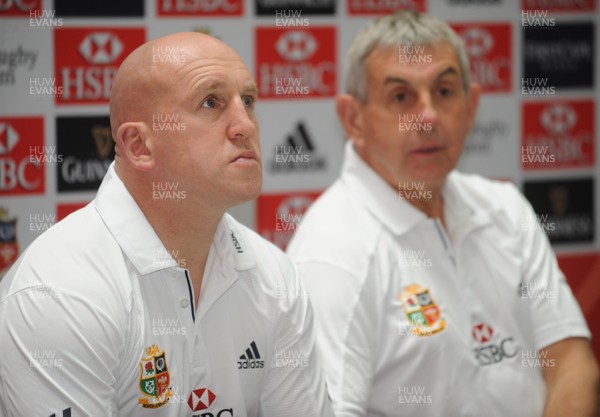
(482, 333)
(303, 58)
(19, 8)
(489, 349)
(86, 61)
(564, 130)
(200, 7)
(18, 137)
(373, 7)
(202, 399)
(490, 54)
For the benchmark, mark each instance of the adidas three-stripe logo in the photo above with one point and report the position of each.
(250, 359)
(300, 137)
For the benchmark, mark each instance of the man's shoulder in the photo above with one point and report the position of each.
(75, 257)
(337, 229)
(484, 193)
(80, 234)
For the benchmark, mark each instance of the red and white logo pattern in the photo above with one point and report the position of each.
(278, 215)
(377, 7)
(101, 47)
(558, 119)
(296, 45)
(554, 6)
(199, 8)
(18, 137)
(303, 57)
(19, 8)
(8, 138)
(86, 61)
(482, 333)
(564, 130)
(490, 53)
(201, 399)
(478, 42)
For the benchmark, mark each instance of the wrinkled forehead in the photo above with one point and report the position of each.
(422, 61)
(179, 70)
(181, 60)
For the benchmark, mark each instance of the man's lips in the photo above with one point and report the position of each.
(246, 155)
(425, 150)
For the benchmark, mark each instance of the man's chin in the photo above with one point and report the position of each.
(243, 193)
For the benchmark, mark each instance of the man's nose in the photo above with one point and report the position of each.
(241, 125)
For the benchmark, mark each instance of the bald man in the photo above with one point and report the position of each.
(151, 300)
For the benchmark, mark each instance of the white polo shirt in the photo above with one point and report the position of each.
(418, 320)
(97, 319)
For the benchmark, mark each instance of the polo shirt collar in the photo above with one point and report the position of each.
(381, 200)
(140, 243)
(394, 212)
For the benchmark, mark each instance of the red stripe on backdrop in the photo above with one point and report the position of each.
(583, 273)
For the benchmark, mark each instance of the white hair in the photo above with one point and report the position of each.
(405, 27)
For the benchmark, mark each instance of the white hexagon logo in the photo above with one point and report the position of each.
(478, 41)
(8, 138)
(101, 47)
(296, 45)
(558, 119)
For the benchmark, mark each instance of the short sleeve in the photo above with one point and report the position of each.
(296, 383)
(554, 310)
(347, 318)
(58, 351)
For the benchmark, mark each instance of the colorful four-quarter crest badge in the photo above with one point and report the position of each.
(9, 249)
(421, 311)
(154, 378)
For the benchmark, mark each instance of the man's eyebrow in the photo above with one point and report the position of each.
(447, 71)
(392, 79)
(207, 86)
(251, 88)
(203, 88)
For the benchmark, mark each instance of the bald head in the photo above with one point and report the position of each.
(182, 111)
(145, 80)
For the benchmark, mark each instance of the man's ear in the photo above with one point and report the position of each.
(472, 104)
(350, 114)
(134, 146)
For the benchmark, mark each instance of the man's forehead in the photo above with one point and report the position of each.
(413, 61)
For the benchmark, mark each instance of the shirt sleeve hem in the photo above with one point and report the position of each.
(552, 335)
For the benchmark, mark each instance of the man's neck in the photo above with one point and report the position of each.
(187, 232)
(432, 205)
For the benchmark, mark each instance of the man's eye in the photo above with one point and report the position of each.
(445, 92)
(209, 103)
(400, 96)
(248, 101)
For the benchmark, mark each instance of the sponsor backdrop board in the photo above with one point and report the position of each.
(536, 124)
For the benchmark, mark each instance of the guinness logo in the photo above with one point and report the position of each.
(103, 139)
(559, 199)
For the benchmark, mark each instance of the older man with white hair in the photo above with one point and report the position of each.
(434, 291)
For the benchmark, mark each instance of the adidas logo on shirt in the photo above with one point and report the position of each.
(251, 358)
(65, 413)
